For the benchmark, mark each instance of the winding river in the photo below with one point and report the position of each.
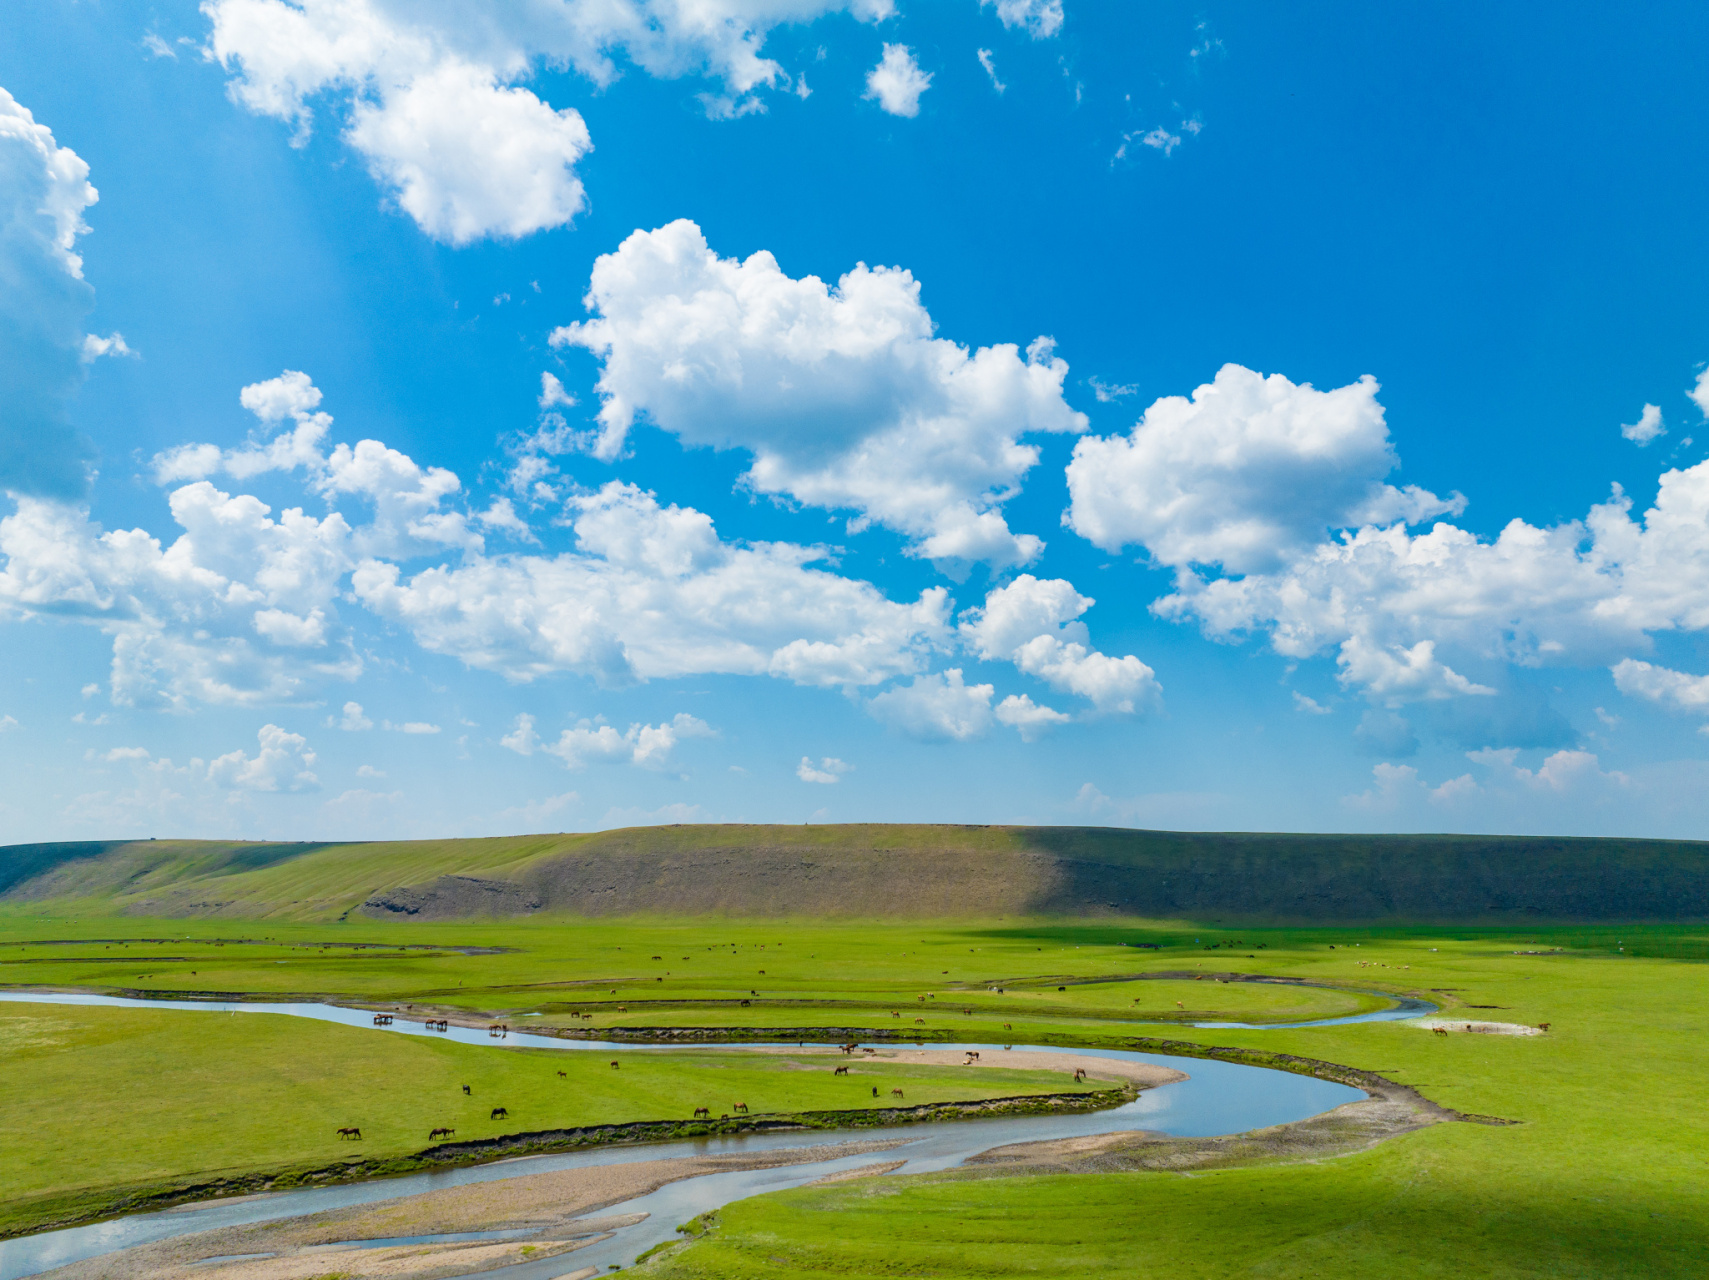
(1217, 1098)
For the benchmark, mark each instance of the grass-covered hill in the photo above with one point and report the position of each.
(872, 871)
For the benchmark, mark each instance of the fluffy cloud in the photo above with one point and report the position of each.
(1246, 472)
(842, 395)
(1670, 688)
(1647, 428)
(897, 82)
(1027, 717)
(436, 109)
(1699, 393)
(648, 746)
(1035, 624)
(826, 772)
(44, 189)
(936, 707)
(1041, 19)
(283, 763)
(652, 592)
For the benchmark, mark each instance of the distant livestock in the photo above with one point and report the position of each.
(895, 1093)
(840, 1071)
(1441, 1031)
(614, 1065)
(703, 1111)
(563, 1075)
(465, 1091)
(440, 1133)
(350, 1133)
(1079, 1075)
(739, 1106)
(499, 1113)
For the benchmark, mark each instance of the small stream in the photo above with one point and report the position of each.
(1217, 1098)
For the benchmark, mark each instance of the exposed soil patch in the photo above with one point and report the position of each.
(1143, 1075)
(550, 1206)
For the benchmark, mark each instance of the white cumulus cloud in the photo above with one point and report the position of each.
(1646, 428)
(842, 395)
(44, 190)
(435, 103)
(1243, 473)
(1041, 19)
(897, 82)
(827, 771)
(648, 746)
(1675, 689)
(936, 707)
(1030, 719)
(283, 763)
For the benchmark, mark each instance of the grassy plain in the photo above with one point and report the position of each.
(1605, 1173)
(177, 1097)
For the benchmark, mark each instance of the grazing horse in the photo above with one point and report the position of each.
(563, 1075)
(875, 1091)
(1542, 1026)
(440, 1133)
(465, 1091)
(1441, 1031)
(1007, 1027)
(840, 1071)
(919, 1019)
(894, 1014)
(895, 1093)
(739, 1106)
(350, 1133)
(703, 1111)
(1079, 1075)
(499, 1113)
(614, 1065)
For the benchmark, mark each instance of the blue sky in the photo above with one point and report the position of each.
(455, 418)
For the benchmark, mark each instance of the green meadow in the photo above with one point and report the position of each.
(1604, 1170)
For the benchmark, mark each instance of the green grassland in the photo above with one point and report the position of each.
(103, 1101)
(882, 870)
(1605, 1174)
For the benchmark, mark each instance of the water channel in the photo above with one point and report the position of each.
(1217, 1098)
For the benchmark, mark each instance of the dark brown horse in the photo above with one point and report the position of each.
(840, 1071)
(739, 1106)
(465, 1091)
(703, 1111)
(499, 1113)
(350, 1133)
(440, 1133)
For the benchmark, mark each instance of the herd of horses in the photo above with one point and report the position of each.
(500, 1113)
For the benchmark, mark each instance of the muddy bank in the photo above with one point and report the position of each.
(1141, 1075)
(548, 1209)
(96, 1205)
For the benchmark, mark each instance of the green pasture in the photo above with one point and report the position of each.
(102, 1099)
(1606, 1173)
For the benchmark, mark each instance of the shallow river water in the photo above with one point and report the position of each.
(1217, 1098)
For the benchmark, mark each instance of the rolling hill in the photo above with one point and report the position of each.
(875, 871)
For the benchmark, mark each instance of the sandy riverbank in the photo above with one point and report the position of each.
(550, 1207)
(1143, 1075)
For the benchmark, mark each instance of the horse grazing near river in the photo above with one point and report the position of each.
(1079, 1075)
(840, 1071)
(499, 1113)
(440, 1133)
(739, 1106)
(614, 1065)
(895, 1093)
(703, 1111)
(350, 1133)
(1441, 1031)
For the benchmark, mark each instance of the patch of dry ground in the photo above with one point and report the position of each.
(1392, 1109)
(1142, 1075)
(546, 1205)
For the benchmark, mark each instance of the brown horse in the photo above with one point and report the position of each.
(614, 1065)
(563, 1075)
(703, 1111)
(895, 1093)
(1079, 1075)
(499, 1113)
(350, 1133)
(739, 1106)
(840, 1071)
(1542, 1026)
(440, 1133)
(1441, 1031)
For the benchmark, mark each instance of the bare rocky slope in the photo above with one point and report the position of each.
(887, 870)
